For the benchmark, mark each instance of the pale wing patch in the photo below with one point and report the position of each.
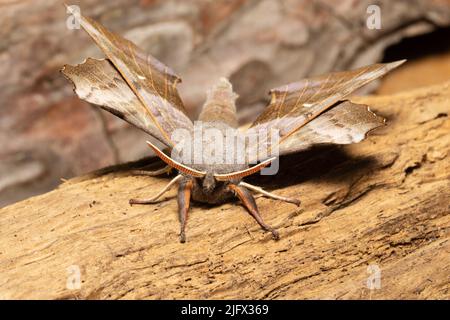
(345, 123)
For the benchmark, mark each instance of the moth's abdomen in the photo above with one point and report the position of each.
(220, 104)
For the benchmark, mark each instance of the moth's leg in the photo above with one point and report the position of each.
(153, 173)
(249, 203)
(268, 194)
(184, 198)
(155, 198)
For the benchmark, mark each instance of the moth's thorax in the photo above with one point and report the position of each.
(215, 147)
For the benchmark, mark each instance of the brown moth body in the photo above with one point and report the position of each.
(141, 90)
(218, 112)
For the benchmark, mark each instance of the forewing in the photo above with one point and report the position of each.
(98, 82)
(153, 83)
(294, 105)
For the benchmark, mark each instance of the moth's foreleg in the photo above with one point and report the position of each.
(249, 203)
(184, 198)
(155, 198)
(268, 194)
(153, 173)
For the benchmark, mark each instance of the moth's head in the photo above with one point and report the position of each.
(209, 178)
(209, 182)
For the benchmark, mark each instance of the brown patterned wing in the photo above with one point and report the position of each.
(98, 82)
(294, 105)
(153, 83)
(344, 123)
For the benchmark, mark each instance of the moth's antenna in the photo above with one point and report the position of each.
(243, 173)
(175, 164)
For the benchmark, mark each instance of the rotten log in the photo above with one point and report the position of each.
(378, 208)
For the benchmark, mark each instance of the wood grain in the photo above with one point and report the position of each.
(384, 201)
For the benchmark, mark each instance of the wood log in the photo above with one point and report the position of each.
(374, 223)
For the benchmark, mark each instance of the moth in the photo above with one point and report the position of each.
(141, 90)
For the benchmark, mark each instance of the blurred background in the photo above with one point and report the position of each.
(47, 133)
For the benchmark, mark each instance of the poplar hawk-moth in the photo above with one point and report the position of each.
(141, 90)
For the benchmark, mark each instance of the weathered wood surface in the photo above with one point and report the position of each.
(383, 202)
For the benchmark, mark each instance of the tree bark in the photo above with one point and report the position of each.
(373, 223)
